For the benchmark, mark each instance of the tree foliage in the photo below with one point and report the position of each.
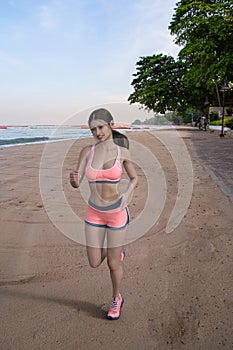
(157, 83)
(204, 30)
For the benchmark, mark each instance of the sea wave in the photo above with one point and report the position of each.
(23, 140)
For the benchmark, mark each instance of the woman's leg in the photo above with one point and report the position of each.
(116, 240)
(96, 252)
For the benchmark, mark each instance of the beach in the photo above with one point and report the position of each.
(177, 285)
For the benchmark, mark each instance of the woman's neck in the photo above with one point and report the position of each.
(106, 145)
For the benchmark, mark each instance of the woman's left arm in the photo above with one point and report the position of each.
(133, 179)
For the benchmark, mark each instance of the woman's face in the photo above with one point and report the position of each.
(101, 130)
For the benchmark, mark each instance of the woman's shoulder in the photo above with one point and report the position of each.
(87, 148)
(85, 151)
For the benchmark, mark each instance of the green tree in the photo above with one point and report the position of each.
(204, 30)
(157, 83)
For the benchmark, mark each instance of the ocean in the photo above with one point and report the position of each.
(22, 135)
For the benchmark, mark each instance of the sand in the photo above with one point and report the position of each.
(177, 286)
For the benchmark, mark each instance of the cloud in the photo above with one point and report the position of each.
(151, 21)
(47, 17)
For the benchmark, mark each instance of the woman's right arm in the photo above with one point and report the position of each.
(76, 176)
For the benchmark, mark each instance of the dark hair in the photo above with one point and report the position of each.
(103, 114)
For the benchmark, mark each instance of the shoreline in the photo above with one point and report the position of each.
(45, 138)
(180, 282)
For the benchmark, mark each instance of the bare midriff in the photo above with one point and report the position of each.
(104, 193)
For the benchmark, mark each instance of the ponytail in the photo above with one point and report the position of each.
(120, 139)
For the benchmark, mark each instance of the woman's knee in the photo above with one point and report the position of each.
(113, 263)
(94, 264)
(94, 257)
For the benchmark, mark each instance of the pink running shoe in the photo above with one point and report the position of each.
(122, 256)
(115, 308)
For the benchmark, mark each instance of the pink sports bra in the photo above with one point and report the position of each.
(111, 175)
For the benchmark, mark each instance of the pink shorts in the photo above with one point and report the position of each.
(110, 217)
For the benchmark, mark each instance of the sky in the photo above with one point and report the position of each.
(59, 58)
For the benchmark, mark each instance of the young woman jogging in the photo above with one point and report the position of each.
(107, 214)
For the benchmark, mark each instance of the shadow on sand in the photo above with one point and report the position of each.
(79, 305)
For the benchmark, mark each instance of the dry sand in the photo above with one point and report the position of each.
(177, 287)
